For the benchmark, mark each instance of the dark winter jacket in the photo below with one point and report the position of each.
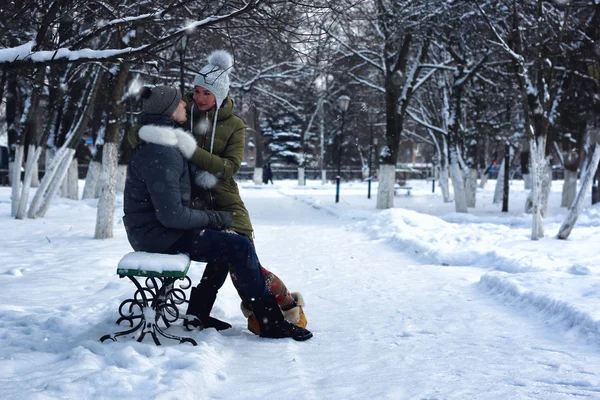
(157, 191)
(222, 164)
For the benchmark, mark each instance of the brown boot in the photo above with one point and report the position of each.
(295, 314)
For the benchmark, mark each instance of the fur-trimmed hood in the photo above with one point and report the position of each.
(163, 135)
(184, 141)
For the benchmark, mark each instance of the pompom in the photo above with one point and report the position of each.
(221, 59)
(145, 92)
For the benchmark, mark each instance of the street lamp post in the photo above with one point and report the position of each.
(344, 102)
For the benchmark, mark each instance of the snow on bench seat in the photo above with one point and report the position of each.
(402, 187)
(139, 263)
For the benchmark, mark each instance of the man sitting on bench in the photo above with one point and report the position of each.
(158, 219)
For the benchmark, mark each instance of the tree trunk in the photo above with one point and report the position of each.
(301, 180)
(73, 180)
(33, 154)
(537, 167)
(60, 175)
(35, 178)
(546, 187)
(92, 178)
(525, 162)
(471, 188)
(47, 180)
(258, 175)
(443, 182)
(110, 157)
(121, 177)
(385, 191)
(16, 180)
(460, 200)
(106, 204)
(577, 206)
(569, 191)
(486, 162)
(499, 183)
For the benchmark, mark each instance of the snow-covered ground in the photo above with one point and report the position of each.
(416, 302)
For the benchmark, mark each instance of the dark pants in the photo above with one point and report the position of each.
(224, 253)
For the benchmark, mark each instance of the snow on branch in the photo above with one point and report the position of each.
(24, 55)
(357, 53)
(517, 57)
(367, 83)
(426, 124)
(295, 68)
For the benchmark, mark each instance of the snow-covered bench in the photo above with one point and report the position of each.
(157, 298)
(398, 187)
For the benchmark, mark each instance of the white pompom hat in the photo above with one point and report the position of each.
(214, 77)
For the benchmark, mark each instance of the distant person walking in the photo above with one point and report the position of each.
(267, 174)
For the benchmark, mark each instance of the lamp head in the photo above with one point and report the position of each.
(344, 102)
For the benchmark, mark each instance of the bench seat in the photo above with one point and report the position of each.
(139, 263)
(402, 187)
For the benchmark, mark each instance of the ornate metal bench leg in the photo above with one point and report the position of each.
(157, 301)
(114, 336)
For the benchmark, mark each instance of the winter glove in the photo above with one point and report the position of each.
(219, 220)
(205, 180)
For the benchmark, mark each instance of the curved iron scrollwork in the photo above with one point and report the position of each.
(157, 300)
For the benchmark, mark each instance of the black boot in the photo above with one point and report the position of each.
(201, 302)
(271, 321)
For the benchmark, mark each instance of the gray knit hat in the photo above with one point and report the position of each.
(214, 76)
(162, 100)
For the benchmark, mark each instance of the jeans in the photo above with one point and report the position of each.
(225, 253)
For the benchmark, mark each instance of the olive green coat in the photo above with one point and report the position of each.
(224, 162)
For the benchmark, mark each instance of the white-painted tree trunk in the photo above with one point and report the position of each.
(458, 185)
(577, 206)
(49, 155)
(121, 177)
(569, 191)
(483, 181)
(546, 187)
(444, 172)
(51, 170)
(33, 154)
(471, 187)
(59, 177)
(92, 178)
(106, 204)
(537, 167)
(16, 180)
(100, 183)
(35, 178)
(323, 177)
(301, 180)
(385, 191)
(72, 181)
(443, 182)
(11, 172)
(498, 189)
(257, 177)
(527, 181)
